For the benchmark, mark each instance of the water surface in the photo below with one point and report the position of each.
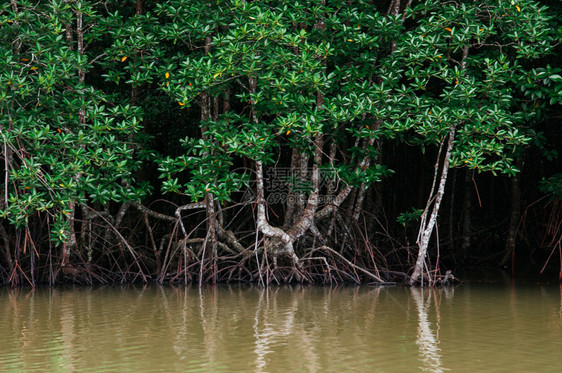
(473, 328)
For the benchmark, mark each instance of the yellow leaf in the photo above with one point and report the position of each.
(217, 74)
(167, 75)
(367, 127)
(288, 132)
(123, 58)
(349, 39)
(181, 103)
(448, 29)
(25, 59)
(167, 84)
(518, 9)
(33, 68)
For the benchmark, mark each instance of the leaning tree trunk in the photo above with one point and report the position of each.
(433, 204)
(434, 200)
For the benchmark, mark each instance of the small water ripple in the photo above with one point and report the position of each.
(288, 329)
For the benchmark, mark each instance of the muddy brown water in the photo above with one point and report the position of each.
(471, 328)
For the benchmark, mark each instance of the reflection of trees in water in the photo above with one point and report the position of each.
(242, 328)
(427, 340)
(318, 329)
(211, 325)
(245, 329)
(272, 328)
(23, 330)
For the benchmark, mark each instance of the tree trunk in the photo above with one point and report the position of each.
(292, 194)
(72, 243)
(307, 217)
(466, 220)
(451, 230)
(7, 252)
(514, 217)
(426, 226)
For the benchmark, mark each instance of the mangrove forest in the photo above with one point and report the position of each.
(316, 141)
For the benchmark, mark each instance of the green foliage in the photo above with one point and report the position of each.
(552, 186)
(460, 65)
(269, 76)
(409, 216)
(291, 53)
(65, 141)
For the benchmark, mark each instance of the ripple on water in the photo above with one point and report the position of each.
(287, 329)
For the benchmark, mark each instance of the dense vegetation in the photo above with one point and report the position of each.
(276, 141)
